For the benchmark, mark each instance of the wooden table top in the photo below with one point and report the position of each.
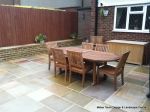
(76, 49)
(100, 56)
(92, 55)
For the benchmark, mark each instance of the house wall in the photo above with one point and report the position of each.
(121, 2)
(86, 3)
(70, 9)
(105, 27)
(92, 30)
(52, 3)
(84, 19)
(9, 2)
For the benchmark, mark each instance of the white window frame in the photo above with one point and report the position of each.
(127, 19)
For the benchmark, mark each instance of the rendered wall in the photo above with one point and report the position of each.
(52, 3)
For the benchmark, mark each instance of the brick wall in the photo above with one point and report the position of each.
(84, 18)
(93, 2)
(9, 53)
(16, 52)
(105, 27)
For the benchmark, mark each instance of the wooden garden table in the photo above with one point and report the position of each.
(93, 56)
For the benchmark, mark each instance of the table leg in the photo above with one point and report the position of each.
(94, 73)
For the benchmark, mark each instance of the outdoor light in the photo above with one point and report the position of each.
(105, 12)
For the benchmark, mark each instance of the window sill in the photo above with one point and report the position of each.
(131, 31)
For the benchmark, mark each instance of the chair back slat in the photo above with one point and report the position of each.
(123, 60)
(88, 46)
(58, 55)
(102, 47)
(50, 45)
(75, 59)
(96, 39)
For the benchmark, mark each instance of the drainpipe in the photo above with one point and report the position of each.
(82, 4)
(13, 2)
(96, 18)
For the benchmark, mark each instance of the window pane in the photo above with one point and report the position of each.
(139, 8)
(121, 18)
(147, 24)
(135, 21)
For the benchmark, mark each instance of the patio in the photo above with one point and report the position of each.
(26, 85)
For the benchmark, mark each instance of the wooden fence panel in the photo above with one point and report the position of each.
(20, 25)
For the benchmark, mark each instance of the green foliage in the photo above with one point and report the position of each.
(101, 12)
(40, 37)
(74, 35)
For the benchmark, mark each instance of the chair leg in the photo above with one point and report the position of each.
(49, 66)
(115, 83)
(105, 63)
(98, 75)
(55, 71)
(83, 80)
(122, 78)
(65, 74)
(70, 74)
(104, 77)
(60, 70)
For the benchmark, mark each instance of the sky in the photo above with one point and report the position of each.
(121, 2)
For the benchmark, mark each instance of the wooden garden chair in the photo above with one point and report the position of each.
(96, 39)
(50, 45)
(114, 71)
(102, 47)
(88, 46)
(60, 60)
(77, 64)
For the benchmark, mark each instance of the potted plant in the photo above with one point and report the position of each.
(101, 11)
(40, 38)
